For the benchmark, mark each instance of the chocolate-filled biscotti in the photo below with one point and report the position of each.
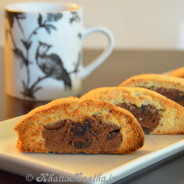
(170, 87)
(155, 113)
(179, 72)
(70, 125)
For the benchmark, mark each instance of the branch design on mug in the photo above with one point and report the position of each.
(79, 35)
(75, 17)
(12, 17)
(50, 64)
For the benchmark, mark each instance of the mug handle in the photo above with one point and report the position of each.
(104, 55)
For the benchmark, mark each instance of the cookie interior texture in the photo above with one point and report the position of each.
(87, 126)
(155, 113)
(147, 115)
(91, 134)
(168, 86)
(173, 94)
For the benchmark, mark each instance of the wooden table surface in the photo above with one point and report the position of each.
(119, 66)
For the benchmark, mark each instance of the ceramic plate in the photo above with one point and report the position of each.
(80, 167)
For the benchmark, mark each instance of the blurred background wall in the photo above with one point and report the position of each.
(136, 24)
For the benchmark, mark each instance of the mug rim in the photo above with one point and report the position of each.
(73, 7)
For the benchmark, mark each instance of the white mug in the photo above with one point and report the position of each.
(43, 50)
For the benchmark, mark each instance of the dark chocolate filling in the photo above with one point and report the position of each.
(91, 135)
(147, 115)
(173, 94)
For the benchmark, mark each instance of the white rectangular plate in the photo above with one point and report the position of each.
(99, 167)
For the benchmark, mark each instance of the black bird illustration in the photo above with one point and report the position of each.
(51, 64)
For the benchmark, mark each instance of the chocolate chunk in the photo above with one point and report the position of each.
(180, 99)
(146, 130)
(79, 130)
(82, 145)
(147, 115)
(87, 124)
(112, 134)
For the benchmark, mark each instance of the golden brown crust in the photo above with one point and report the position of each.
(30, 128)
(179, 72)
(172, 121)
(156, 80)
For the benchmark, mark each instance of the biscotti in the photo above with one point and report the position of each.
(171, 87)
(179, 72)
(155, 113)
(70, 125)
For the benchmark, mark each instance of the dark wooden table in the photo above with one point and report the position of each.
(119, 66)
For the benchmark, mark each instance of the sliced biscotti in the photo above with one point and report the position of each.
(179, 72)
(70, 125)
(155, 113)
(171, 87)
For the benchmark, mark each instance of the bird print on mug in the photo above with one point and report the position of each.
(52, 65)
